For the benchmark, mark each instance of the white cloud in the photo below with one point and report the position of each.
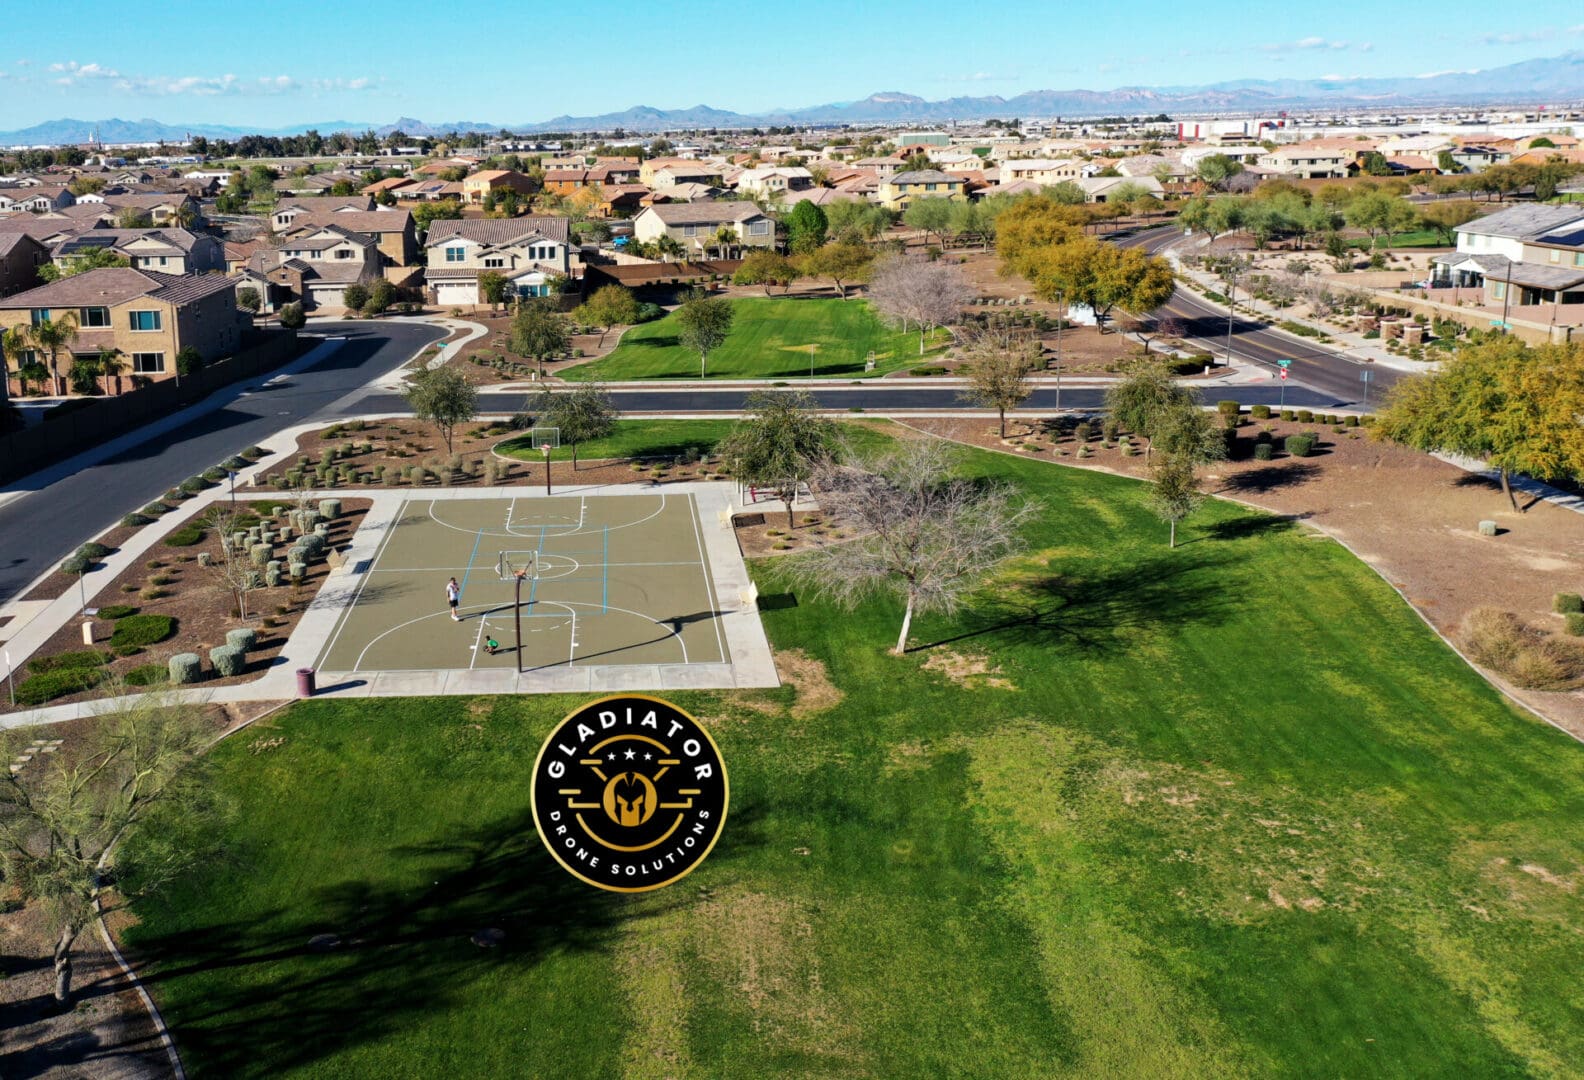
(1448, 71)
(1518, 37)
(1311, 44)
(74, 72)
(71, 73)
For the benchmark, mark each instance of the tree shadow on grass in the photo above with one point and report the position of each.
(400, 957)
(1269, 478)
(1100, 613)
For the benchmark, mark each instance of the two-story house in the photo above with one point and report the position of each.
(1310, 161)
(160, 207)
(150, 317)
(166, 251)
(528, 251)
(1521, 256)
(289, 210)
(494, 181)
(899, 190)
(36, 199)
(697, 226)
(312, 266)
(20, 258)
(774, 180)
(393, 230)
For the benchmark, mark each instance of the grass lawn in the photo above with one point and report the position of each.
(661, 439)
(769, 339)
(1416, 238)
(1225, 810)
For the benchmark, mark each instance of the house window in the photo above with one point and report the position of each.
(455, 254)
(162, 260)
(343, 253)
(145, 320)
(690, 230)
(40, 315)
(148, 363)
(929, 187)
(1578, 258)
(494, 262)
(91, 317)
(758, 228)
(1499, 290)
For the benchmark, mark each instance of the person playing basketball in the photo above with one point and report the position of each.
(453, 597)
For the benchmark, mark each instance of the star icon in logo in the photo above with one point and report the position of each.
(630, 754)
(647, 757)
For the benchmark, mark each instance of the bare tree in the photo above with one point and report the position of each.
(925, 535)
(1000, 360)
(235, 568)
(908, 291)
(123, 806)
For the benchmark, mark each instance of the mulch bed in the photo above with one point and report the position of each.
(202, 606)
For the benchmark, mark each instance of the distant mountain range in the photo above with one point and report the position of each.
(1555, 80)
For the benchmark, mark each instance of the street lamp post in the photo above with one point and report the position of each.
(544, 448)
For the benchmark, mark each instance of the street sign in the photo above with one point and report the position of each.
(1284, 373)
(1364, 376)
(1284, 364)
(1501, 324)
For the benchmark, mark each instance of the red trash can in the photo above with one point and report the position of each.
(305, 682)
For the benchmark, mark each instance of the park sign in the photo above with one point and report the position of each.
(629, 793)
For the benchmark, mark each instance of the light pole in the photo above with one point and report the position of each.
(1061, 317)
(544, 448)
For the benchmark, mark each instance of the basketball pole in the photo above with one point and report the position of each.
(517, 614)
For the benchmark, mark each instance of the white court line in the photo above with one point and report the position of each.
(346, 613)
(709, 585)
(479, 640)
(547, 555)
(446, 615)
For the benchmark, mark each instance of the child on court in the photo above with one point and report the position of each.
(491, 645)
(453, 595)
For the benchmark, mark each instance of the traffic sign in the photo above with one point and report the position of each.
(1284, 373)
(1284, 363)
(1364, 376)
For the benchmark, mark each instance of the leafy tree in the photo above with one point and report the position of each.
(84, 375)
(844, 263)
(1001, 359)
(441, 397)
(539, 332)
(1143, 401)
(426, 213)
(613, 305)
(1101, 276)
(1066, 193)
(354, 296)
(703, 324)
(1216, 169)
(1542, 143)
(493, 287)
(248, 299)
(382, 294)
(53, 335)
(1445, 217)
(929, 216)
(854, 222)
(95, 259)
(133, 218)
(110, 820)
(766, 268)
(806, 228)
(292, 317)
(924, 534)
(188, 360)
(780, 445)
(1513, 406)
(1447, 163)
(1174, 493)
(917, 162)
(1374, 212)
(582, 414)
(1032, 224)
(1374, 163)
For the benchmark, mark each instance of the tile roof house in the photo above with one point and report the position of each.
(696, 226)
(528, 251)
(149, 316)
(35, 200)
(167, 251)
(21, 255)
(312, 266)
(393, 230)
(898, 190)
(1524, 255)
(477, 185)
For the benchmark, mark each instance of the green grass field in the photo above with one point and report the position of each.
(769, 339)
(661, 439)
(1225, 810)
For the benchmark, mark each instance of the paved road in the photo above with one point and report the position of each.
(37, 529)
(1327, 371)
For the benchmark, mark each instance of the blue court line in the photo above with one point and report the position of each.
(476, 541)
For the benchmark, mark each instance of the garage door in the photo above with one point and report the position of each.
(456, 292)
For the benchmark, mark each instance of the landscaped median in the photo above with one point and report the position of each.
(1121, 815)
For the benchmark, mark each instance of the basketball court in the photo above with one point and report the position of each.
(605, 581)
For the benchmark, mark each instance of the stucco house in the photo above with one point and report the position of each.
(695, 226)
(528, 251)
(1524, 255)
(898, 190)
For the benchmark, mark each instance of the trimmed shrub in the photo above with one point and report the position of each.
(194, 484)
(1260, 412)
(1564, 603)
(236, 461)
(1264, 451)
(1575, 623)
(1228, 407)
(142, 630)
(330, 509)
(1350, 421)
(84, 658)
(184, 668)
(136, 521)
(75, 564)
(205, 559)
(148, 675)
(243, 637)
(117, 611)
(260, 554)
(49, 685)
(155, 509)
(1288, 414)
(186, 536)
(214, 474)
(1305, 416)
(1300, 445)
(227, 660)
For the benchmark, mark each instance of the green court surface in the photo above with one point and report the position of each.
(619, 579)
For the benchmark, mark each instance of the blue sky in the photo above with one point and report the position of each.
(295, 61)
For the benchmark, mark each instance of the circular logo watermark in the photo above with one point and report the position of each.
(629, 793)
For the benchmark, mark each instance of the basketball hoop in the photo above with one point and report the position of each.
(545, 448)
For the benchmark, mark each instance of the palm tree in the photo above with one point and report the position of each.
(31, 371)
(182, 217)
(668, 246)
(13, 343)
(53, 335)
(725, 237)
(113, 362)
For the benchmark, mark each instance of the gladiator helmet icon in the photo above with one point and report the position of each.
(630, 798)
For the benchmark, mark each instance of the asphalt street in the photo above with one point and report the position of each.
(39, 528)
(1325, 370)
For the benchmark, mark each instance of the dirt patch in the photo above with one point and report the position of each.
(969, 670)
(202, 606)
(1412, 517)
(807, 675)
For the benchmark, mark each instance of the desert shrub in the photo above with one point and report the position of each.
(214, 474)
(194, 484)
(1288, 414)
(186, 536)
(1228, 407)
(75, 564)
(155, 509)
(1305, 416)
(1575, 623)
(227, 660)
(148, 675)
(141, 630)
(1260, 412)
(83, 658)
(117, 611)
(1082, 430)
(1534, 660)
(184, 668)
(243, 637)
(1108, 429)
(1264, 451)
(49, 685)
(330, 508)
(1301, 445)
(136, 521)
(1350, 421)
(1565, 602)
